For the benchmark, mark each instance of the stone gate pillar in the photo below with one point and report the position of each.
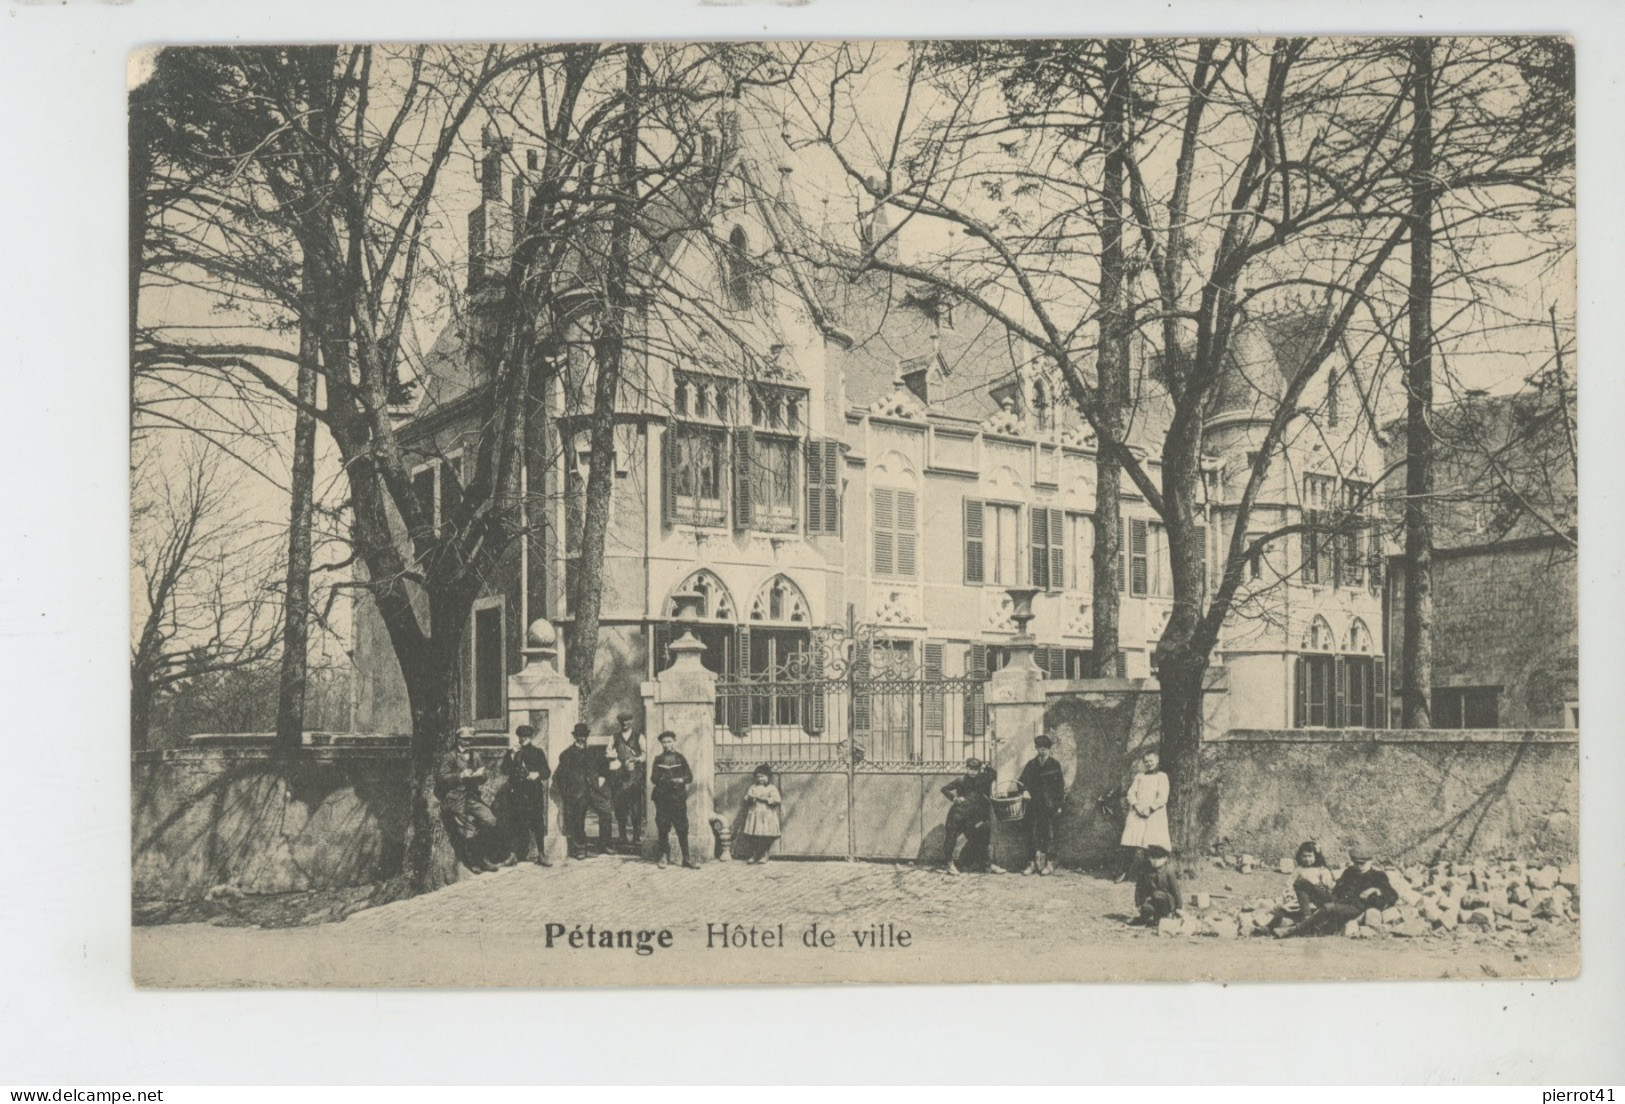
(1015, 715)
(540, 696)
(683, 700)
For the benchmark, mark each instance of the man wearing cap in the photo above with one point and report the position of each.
(970, 815)
(1362, 886)
(626, 782)
(468, 819)
(527, 771)
(1044, 786)
(580, 781)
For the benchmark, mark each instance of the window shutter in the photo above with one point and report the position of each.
(660, 638)
(931, 707)
(885, 519)
(832, 486)
(1139, 578)
(668, 475)
(975, 707)
(744, 464)
(1311, 547)
(1055, 663)
(1379, 693)
(1300, 692)
(1337, 715)
(907, 532)
(1375, 565)
(814, 710)
(1041, 659)
(1337, 566)
(823, 486)
(1120, 665)
(1201, 559)
(1057, 540)
(1039, 556)
(815, 486)
(975, 560)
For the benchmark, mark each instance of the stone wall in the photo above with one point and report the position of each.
(237, 813)
(1412, 796)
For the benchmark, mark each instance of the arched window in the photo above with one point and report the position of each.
(780, 600)
(738, 268)
(1359, 639)
(718, 604)
(1319, 638)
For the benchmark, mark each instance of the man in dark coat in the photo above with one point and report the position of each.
(1044, 786)
(468, 819)
(627, 782)
(1362, 886)
(527, 771)
(1156, 892)
(581, 782)
(669, 779)
(970, 815)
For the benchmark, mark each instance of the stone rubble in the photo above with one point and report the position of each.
(1503, 900)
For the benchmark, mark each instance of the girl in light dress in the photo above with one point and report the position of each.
(1146, 822)
(761, 825)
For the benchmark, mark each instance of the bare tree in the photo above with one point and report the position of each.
(200, 603)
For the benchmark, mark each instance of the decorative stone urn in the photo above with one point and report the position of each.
(685, 650)
(1021, 612)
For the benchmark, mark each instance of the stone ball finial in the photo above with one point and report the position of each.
(541, 634)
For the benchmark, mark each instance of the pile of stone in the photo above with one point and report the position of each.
(1510, 900)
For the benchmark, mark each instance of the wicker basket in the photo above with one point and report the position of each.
(1009, 803)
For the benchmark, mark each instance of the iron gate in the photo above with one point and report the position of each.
(861, 731)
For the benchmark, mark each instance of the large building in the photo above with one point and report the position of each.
(837, 451)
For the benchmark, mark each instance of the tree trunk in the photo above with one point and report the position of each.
(1417, 651)
(1112, 383)
(290, 706)
(140, 712)
(1181, 673)
(587, 577)
(434, 691)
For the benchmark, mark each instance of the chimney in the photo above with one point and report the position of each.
(491, 224)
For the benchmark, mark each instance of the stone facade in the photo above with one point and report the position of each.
(1506, 628)
(878, 456)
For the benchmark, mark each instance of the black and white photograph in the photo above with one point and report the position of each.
(773, 512)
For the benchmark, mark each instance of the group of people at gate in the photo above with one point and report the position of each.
(609, 780)
(605, 780)
(1040, 791)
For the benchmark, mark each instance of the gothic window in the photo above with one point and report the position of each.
(780, 600)
(716, 603)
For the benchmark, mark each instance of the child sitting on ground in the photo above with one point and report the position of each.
(1156, 892)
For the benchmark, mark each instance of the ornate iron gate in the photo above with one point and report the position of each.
(861, 731)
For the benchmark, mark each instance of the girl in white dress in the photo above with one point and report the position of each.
(761, 826)
(1147, 800)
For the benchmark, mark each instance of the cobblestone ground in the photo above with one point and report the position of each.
(490, 930)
